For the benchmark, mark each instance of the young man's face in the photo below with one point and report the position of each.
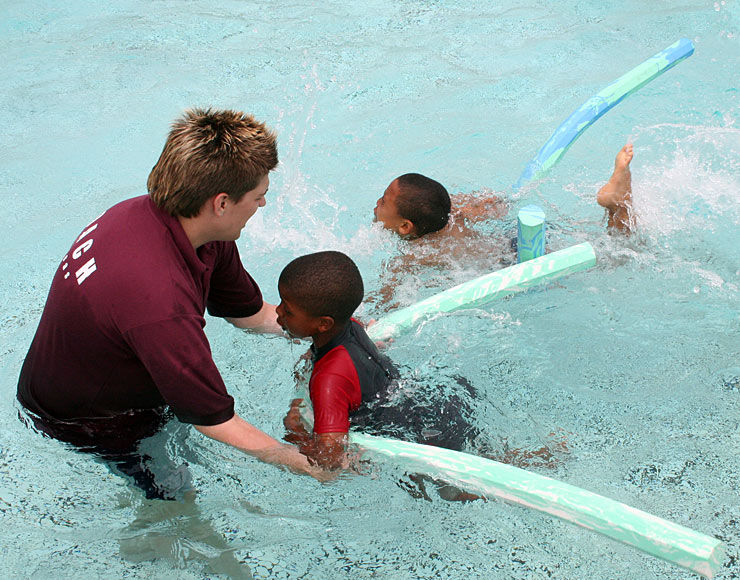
(241, 211)
(294, 319)
(386, 211)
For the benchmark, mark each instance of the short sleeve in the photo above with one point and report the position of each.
(178, 357)
(331, 400)
(233, 292)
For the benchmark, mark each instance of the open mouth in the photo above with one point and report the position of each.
(286, 332)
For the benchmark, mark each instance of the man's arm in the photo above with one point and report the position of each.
(242, 435)
(264, 321)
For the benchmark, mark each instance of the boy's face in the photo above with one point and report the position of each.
(294, 319)
(386, 211)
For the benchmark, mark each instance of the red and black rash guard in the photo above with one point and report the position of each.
(354, 386)
(121, 336)
(347, 372)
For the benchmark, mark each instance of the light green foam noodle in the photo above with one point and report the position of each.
(677, 544)
(483, 290)
(656, 536)
(672, 542)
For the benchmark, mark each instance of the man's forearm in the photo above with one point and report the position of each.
(242, 435)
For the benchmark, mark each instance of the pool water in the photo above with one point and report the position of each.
(636, 362)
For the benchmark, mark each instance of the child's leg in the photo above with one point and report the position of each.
(616, 194)
(416, 487)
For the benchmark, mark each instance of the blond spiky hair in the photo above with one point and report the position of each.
(209, 152)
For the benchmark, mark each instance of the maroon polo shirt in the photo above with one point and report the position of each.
(122, 329)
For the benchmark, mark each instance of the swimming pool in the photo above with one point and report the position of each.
(637, 360)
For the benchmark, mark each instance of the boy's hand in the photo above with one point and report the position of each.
(293, 421)
(381, 344)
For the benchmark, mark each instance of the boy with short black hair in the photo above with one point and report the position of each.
(414, 205)
(319, 293)
(351, 383)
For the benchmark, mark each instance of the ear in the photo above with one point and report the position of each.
(218, 203)
(326, 323)
(406, 228)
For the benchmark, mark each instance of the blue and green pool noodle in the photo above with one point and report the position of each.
(590, 111)
(530, 233)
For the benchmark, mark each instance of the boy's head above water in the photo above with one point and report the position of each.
(413, 205)
(318, 294)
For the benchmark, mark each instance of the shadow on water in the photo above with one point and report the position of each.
(180, 534)
(174, 530)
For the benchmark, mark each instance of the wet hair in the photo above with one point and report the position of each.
(324, 284)
(424, 202)
(209, 152)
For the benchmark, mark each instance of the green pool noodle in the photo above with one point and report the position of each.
(677, 544)
(653, 535)
(483, 290)
(530, 230)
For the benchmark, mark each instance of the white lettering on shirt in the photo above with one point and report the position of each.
(87, 231)
(81, 249)
(89, 267)
(85, 271)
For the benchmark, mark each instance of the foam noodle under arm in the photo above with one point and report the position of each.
(684, 547)
(482, 290)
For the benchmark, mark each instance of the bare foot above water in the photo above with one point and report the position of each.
(616, 194)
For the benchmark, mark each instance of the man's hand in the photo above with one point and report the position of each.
(242, 435)
(264, 321)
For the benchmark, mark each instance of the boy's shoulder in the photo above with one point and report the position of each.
(350, 353)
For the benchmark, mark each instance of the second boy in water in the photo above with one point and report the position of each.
(414, 205)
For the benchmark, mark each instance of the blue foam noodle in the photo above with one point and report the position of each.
(590, 111)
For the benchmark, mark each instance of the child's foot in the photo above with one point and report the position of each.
(618, 189)
(616, 194)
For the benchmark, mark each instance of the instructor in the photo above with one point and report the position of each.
(120, 344)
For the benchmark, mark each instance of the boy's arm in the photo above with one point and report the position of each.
(473, 209)
(326, 450)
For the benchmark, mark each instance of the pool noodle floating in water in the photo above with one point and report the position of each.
(672, 542)
(656, 536)
(530, 233)
(486, 288)
(677, 544)
(565, 135)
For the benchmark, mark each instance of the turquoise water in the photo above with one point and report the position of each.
(637, 360)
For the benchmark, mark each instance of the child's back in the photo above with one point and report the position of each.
(353, 385)
(349, 373)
